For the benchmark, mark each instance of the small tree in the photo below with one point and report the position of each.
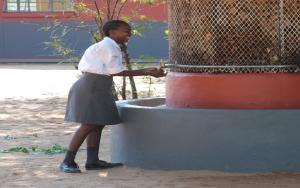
(113, 9)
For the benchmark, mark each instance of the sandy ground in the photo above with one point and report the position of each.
(32, 104)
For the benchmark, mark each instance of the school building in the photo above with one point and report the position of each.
(21, 39)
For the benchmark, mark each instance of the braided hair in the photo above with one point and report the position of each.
(113, 25)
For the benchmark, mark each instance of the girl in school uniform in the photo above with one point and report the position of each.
(90, 100)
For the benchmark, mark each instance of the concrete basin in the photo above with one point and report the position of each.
(154, 136)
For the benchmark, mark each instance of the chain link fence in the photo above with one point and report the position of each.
(234, 35)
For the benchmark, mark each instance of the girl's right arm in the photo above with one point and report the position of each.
(142, 72)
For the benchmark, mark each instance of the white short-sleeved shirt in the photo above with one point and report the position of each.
(104, 57)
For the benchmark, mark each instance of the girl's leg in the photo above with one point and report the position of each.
(77, 140)
(93, 142)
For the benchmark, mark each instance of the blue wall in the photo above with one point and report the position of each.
(2, 42)
(23, 40)
(152, 43)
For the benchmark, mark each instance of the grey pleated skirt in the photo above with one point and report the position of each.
(91, 101)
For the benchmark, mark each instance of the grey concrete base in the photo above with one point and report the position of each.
(205, 139)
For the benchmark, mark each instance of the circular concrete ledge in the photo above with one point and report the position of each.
(157, 137)
(233, 91)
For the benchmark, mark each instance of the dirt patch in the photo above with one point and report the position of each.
(32, 115)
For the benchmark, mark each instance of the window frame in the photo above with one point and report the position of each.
(50, 8)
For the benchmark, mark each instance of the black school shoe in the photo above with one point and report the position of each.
(98, 165)
(69, 167)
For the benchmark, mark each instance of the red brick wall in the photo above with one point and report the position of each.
(156, 12)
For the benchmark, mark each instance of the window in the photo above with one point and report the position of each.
(38, 5)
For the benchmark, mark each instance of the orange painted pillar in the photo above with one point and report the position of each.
(233, 91)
